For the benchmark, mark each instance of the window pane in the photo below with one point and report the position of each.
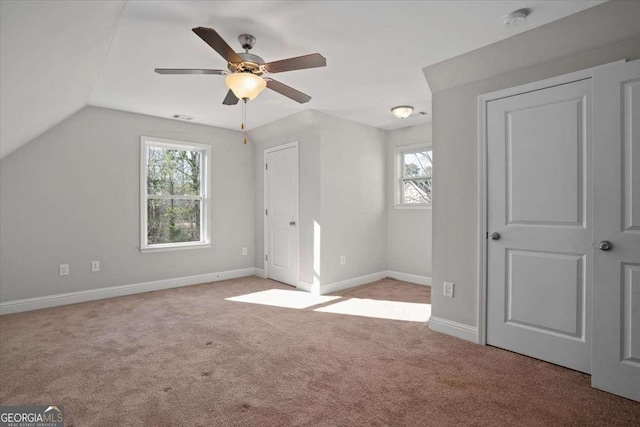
(173, 172)
(417, 190)
(173, 221)
(417, 164)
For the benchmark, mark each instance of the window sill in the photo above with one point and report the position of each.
(413, 206)
(181, 247)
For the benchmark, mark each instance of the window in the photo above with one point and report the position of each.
(174, 192)
(413, 176)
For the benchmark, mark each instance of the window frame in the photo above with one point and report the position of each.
(399, 178)
(204, 197)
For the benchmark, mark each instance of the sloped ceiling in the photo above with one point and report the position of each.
(58, 56)
(51, 54)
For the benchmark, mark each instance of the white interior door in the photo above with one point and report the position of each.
(616, 292)
(539, 268)
(281, 214)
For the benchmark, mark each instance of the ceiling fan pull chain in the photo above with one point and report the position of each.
(244, 118)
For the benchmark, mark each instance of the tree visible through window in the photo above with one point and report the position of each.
(175, 196)
(415, 185)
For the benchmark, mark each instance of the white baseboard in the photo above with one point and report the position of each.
(411, 278)
(261, 273)
(48, 301)
(350, 283)
(305, 286)
(37, 303)
(368, 278)
(458, 330)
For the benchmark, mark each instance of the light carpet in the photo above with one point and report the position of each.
(189, 357)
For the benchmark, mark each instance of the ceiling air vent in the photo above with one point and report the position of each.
(182, 117)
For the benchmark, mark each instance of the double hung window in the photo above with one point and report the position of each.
(174, 195)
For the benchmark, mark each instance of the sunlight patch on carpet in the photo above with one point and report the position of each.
(283, 298)
(382, 309)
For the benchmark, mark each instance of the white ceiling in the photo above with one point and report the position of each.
(51, 54)
(375, 53)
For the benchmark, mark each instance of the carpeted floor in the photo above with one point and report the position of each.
(188, 357)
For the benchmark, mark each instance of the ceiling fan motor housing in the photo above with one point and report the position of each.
(250, 63)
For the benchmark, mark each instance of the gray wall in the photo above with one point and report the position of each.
(354, 220)
(547, 51)
(408, 230)
(342, 179)
(301, 127)
(72, 196)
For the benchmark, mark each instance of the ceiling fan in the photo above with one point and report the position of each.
(245, 70)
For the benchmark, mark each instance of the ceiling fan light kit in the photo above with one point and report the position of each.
(245, 86)
(402, 111)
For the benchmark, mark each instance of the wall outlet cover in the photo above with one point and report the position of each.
(448, 289)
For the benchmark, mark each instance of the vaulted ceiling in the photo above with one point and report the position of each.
(58, 56)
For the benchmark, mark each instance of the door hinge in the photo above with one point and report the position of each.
(266, 211)
(266, 257)
(486, 235)
(266, 166)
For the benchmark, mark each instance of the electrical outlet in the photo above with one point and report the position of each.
(244, 251)
(64, 270)
(343, 260)
(448, 289)
(95, 266)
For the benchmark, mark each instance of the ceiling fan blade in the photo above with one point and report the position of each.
(188, 71)
(230, 99)
(307, 61)
(288, 91)
(213, 39)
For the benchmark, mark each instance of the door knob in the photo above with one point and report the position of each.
(495, 236)
(605, 245)
(292, 223)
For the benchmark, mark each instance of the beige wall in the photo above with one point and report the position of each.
(599, 35)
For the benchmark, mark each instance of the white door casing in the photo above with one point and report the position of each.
(539, 271)
(281, 213)
(616, 285)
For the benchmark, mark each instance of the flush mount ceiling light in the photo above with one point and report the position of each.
(245, 85)
(516, 18)
(402, 111)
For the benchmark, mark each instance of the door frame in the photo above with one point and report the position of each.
(483, 230)
(293, 144)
